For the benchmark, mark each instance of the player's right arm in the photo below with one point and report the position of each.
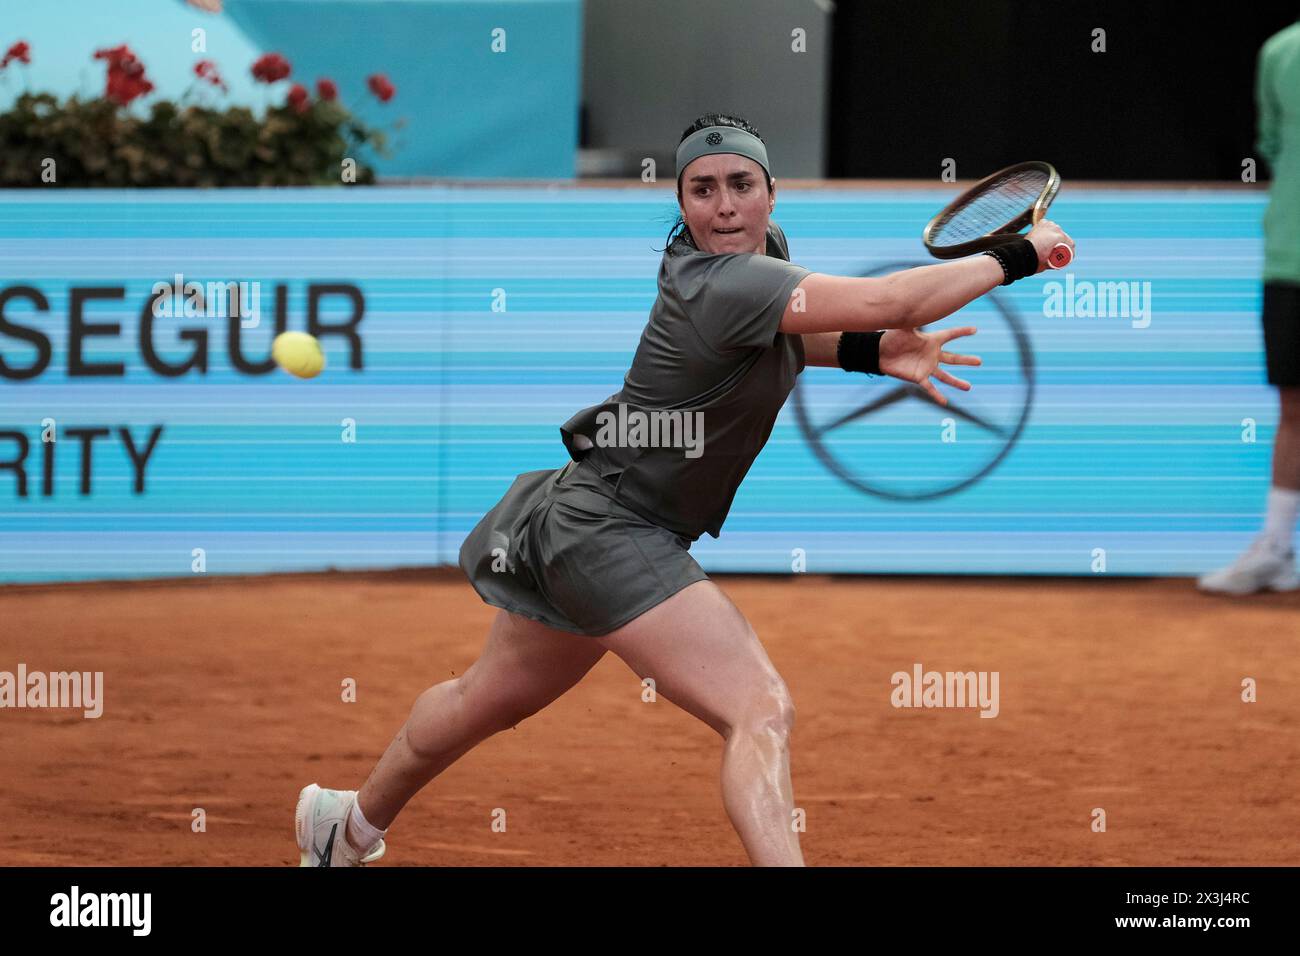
(902, 300)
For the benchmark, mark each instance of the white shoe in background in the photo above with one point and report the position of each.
(1262, 568)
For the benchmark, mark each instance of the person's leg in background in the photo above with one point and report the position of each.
(1269, 563)
(1284, 496)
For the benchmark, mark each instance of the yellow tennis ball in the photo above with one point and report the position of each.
(298, 354)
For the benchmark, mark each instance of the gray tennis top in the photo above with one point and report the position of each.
(709, 376)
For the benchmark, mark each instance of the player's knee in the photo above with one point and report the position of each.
(419, 736)
(784, 717)
(771, 713)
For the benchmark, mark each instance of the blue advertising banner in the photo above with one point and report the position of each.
(1120, 422)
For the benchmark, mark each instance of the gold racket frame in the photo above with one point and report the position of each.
(1030, 217)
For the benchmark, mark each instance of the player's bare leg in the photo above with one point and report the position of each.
(706, 659)
(524, 666)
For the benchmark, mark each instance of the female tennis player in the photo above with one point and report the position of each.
(594, 556)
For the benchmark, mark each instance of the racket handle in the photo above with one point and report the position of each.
(1060, 256)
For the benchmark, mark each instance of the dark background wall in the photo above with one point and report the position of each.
(1001, 81)
(650, 68)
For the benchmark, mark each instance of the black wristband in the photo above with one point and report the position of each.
(1017, 258)
(859, 352)
(997, 256)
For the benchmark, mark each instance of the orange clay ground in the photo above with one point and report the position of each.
(225, 694)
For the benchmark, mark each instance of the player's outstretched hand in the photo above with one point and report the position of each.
(1045, 236)
(915, 357)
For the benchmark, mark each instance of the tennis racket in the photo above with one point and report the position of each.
(993, 211)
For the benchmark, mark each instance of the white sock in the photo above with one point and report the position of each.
(1279, 526)
(367, 835)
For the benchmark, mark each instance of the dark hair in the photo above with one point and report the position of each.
(679, 231)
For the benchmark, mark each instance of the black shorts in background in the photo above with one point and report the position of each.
(1282, 332)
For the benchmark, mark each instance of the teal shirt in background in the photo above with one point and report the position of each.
(1277, 97)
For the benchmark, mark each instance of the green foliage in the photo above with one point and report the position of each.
(96, 143)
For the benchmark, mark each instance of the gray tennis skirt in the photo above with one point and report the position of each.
(560, 550)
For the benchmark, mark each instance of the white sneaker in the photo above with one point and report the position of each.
(321, 823)
(1262, 568)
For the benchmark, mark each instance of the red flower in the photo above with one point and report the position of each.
(298, 98)
(122, 90)
(115, 54)
(326, 89)
(20, 51)
(126, 79)
(381, 87)
(208, 71)
(270, 68)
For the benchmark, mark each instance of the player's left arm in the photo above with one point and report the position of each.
(819, 348)
(905, 354)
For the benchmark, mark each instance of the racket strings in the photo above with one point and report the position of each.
(997, 206)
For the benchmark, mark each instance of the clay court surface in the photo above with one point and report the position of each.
(225, 694)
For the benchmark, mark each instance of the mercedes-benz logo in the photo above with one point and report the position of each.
(713, 139)
(925, 468)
